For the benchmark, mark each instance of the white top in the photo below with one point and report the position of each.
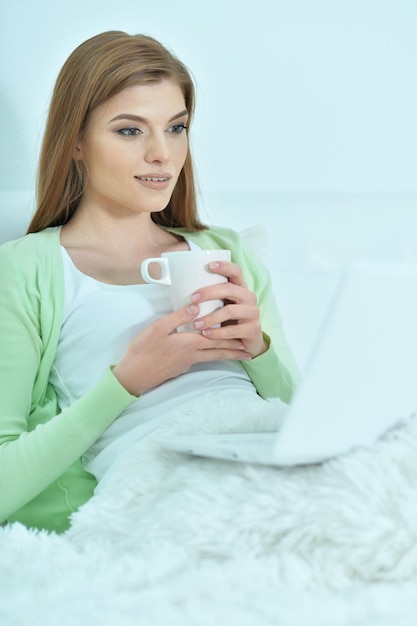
(99, 322)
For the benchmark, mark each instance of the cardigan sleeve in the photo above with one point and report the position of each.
(275, 372)
(34, 449)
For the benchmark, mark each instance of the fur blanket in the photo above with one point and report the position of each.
(173, 539)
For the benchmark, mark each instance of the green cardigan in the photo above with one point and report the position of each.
(42, 480)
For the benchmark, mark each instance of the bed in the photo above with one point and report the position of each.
(174, 539)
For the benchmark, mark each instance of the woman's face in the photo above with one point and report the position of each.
(133, 148)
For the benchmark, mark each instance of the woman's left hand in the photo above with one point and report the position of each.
(240, 314)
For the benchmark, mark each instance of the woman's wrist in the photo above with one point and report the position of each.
(123, 378)
(264, 343)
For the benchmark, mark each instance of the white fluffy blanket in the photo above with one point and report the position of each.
(171, 539)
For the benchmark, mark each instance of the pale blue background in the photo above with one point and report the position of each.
(293, 95)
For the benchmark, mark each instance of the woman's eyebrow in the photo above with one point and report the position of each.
(138, 118)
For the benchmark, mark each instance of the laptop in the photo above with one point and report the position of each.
(360, 379)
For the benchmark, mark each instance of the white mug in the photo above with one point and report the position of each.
(184, 273)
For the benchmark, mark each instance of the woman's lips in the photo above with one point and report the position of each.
(153, 181)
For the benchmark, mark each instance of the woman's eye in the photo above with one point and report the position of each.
(177, 129)
(129, 132)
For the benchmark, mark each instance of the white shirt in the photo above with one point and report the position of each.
(100, 320)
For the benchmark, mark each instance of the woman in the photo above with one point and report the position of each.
(85, 344)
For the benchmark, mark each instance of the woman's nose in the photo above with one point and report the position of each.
(157, 149)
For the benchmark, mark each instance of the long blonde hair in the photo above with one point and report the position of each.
(97, 70)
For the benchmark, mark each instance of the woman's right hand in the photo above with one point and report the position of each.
(159, 353)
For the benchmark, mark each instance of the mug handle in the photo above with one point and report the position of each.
(163, 263)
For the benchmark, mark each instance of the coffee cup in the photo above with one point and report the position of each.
(184, 273)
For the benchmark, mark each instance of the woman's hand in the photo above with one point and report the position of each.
(159, 353)
(239, 316)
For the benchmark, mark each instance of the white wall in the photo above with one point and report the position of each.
(293, 95)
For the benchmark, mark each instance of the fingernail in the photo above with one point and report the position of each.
(195, 297)
(198, 324)
(214, 265)
(192, 310)
(247, 357)
(207, 332)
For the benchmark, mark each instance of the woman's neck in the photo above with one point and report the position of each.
(134, 233)
(111, 250)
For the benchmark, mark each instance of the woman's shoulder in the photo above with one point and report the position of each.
(42, 239)
(31, 250)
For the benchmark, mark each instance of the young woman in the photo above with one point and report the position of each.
(88, 351)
